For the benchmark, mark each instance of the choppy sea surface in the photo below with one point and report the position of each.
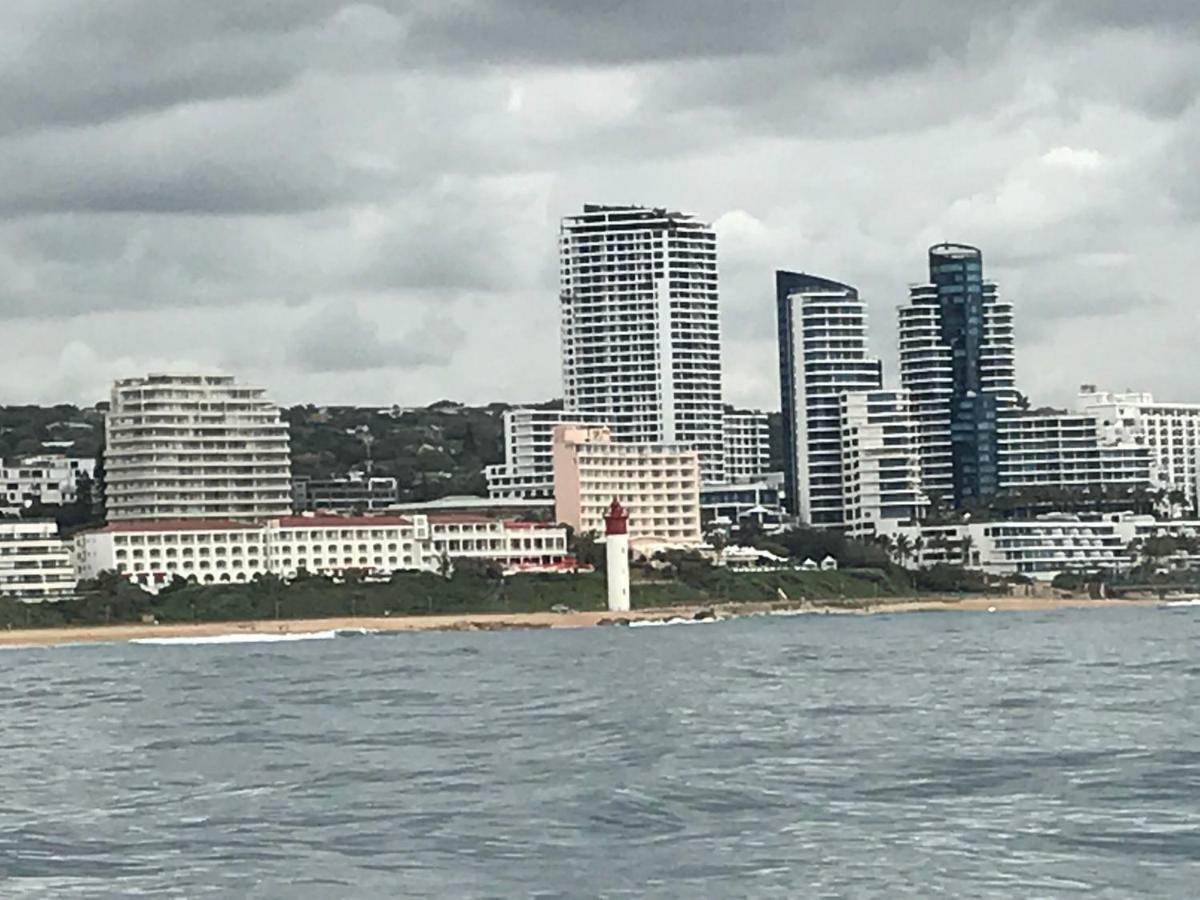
(942, 754)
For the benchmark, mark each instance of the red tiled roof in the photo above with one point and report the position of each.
(327, 521)
(199, 524)
(179, 525)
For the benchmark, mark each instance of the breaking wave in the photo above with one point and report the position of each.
(648, 623)
(256, 637)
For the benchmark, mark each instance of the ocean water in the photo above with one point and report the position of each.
(1047, 754)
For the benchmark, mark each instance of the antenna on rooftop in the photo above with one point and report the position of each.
(363, 432)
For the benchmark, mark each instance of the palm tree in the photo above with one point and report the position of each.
(903, 549)
(918, 547)
(967, 544)
(885, 543)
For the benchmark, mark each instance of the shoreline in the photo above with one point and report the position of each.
(536, 620)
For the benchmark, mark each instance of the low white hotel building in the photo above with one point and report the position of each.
(659, 485)
(223, 551)
(35, 563)
(1037, 548)
(518, 546)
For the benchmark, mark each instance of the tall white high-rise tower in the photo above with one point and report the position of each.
(641, 338)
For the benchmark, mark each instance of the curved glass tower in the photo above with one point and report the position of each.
(956, 359)
(822, 355)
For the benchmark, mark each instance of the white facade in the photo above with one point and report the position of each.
(517, 545)
(823, 355)
(747, 446)
(657, 484)
(528, 467)
(202, 446)
(1170, 431)
(641, 339)
(616, 571)
(222, 551)
(1039, 548)
(49, 479)
(35, 563)
(1067, 451)
(881, 468)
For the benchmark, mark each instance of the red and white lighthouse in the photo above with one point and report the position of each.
(616, 554)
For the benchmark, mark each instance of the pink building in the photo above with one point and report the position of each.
(658, 484)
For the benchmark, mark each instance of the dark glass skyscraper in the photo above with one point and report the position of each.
(956, 359)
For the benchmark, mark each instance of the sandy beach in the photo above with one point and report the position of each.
(501, 621)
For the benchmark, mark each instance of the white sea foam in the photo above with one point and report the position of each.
(1193, 602)
(793, 612)
(647, 623)
(252, 637)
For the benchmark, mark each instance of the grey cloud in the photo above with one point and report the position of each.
(357, 166)
(339, 339)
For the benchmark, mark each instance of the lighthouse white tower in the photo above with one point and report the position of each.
(616, 554)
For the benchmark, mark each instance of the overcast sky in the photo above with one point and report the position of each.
(359, 202)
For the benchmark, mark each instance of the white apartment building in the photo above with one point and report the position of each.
(519, 546)
(50, 479)
(1039, 548)
(195, 446)
(1067, 451)
(881, 468)
(35, 563)
(528, 468)
(1169, 431)
(152, 553)
(822, 355)
(747, 446)
(641, 338)
(658, 484)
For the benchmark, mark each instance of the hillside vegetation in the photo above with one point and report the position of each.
(111, 600)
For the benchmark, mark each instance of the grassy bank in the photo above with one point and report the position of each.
(115, 601)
